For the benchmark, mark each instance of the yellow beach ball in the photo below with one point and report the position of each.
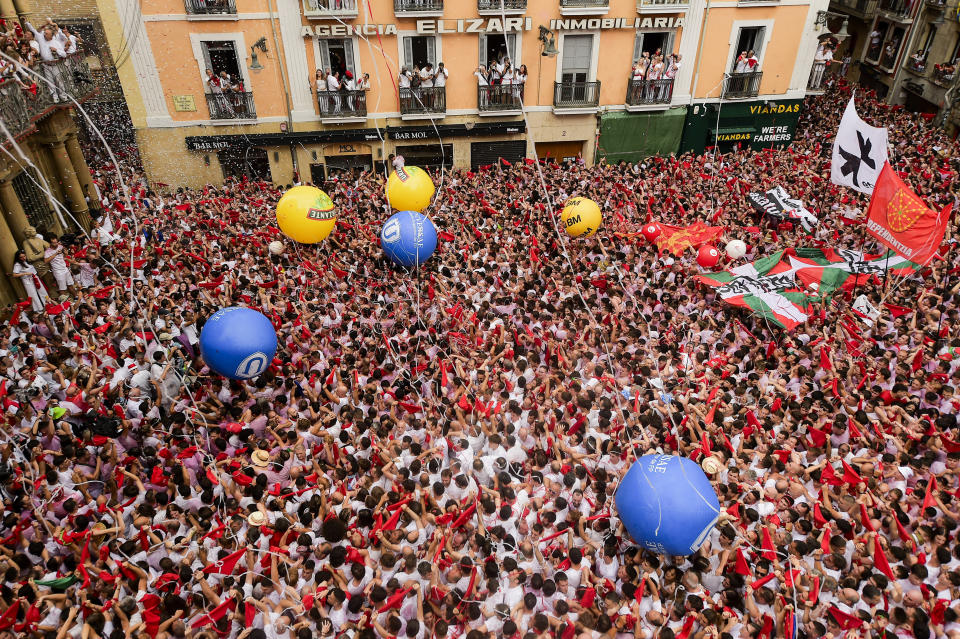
(306, 214)
(409, 188)
(581, 216)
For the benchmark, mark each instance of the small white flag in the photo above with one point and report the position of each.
(859, 152)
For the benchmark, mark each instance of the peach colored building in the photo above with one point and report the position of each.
(598, 80)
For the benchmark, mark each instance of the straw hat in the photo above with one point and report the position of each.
(256, 518)
(711, 465)
(261, 458)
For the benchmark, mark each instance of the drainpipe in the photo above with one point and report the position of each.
(286, 90)
(696, 75)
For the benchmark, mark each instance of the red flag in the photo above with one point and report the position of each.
(825, 359)
(394, 601)
(225, 566)
(850, 476)
(901, 531)
(815, 590)
(818, 517)
(741, 567)
(865, 518)
(845, 621)
(215, 615)
(897, 311)
(917, 361)
(928, 501)
(825, 540)
(9, 615)
(762, 581)
(443, 375)
(767, 545)
(880, 559)
(902, 222)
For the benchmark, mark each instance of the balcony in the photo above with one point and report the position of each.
(342, 106)
(418, 8)
(495, 7)
(943, 74)
(22, 106)
(504, 99)
(584, 7)
(916, 67)
(742, 85)
(210, 9)
(856, 8)
(231, 106)
(818, 76)
(576, 97)
(898, 10)
(330, 9)
(662, 6)
(648, 93)
(423, 102)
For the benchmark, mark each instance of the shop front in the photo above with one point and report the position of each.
(762, 124)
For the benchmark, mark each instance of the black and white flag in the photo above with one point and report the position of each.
(778, 204)
(859, 152)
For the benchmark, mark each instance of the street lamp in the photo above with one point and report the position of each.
(821, 21)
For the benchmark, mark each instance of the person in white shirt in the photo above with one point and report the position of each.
(333, 85)
(440, 79)
(58, 266)
(50, 46)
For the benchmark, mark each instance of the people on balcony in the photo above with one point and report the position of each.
(505, 84)
(51, 44)
(821, 62)
(647, 77)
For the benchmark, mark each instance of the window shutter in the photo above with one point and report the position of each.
(205, 47)
(432, 50)
(482, 56)
(512, 49)
(324, 55)
(638, 46)
(408, 52)
(348, 54)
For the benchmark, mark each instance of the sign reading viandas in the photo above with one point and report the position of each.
(782, 288)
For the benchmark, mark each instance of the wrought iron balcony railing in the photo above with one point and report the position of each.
(576, 95)
(231, 105)
(423, 100)
(743, 85)
(342, 104)
(503, 97)
(644, 92)
(210, 7)
(417, 6)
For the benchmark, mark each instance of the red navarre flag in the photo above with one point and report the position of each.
(901, 221)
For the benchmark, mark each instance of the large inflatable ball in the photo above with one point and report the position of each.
(581, 216)
(408, 238)
(306, 214)
(238, 342)
(667, 504)
(409, 188)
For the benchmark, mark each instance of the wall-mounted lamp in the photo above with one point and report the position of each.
(260, 44)
(548, 47)
(821, 21)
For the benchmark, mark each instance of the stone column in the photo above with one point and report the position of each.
(9, 291)
(14, 217)
(70, 183)
(8, 12)
(82, 170)
(24, 9)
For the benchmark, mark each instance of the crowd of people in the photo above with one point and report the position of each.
(434, 454)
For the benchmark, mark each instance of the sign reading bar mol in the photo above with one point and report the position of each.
(493, 25)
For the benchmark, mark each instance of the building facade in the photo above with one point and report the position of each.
(271, 118)
(44, 180)
(906, 51)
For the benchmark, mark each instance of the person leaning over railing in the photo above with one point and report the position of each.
(52, 45)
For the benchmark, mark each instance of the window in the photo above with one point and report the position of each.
(577, 51)
(419, 50)
(496, 46)
(650, 42)
(32, 199)
(875, 44)
(337, 55)
(220, 56)
(749, 45)
(928, 41)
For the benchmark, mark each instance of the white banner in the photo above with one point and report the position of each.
(859, 152)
